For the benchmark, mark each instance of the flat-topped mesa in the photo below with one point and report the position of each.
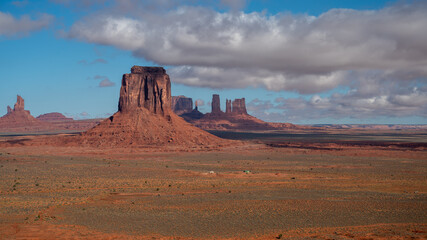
(239, 106)
(146, 87)
(19, 105)
(148, 70)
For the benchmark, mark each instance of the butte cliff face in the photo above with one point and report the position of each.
(145, 117)
(145, 87)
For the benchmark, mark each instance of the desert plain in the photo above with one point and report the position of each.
(336, 184)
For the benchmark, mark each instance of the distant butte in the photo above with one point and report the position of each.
(18, 117)
(53, 117)
(235, 117)
(19, 120)
(182, 104)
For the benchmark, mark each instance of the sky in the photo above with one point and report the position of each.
(304, 62)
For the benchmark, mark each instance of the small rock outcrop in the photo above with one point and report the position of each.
(9, 110)
(182, 104)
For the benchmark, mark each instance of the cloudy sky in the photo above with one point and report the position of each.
(308, 61)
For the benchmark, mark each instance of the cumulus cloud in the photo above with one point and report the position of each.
(340, 39)
(215, 77)
(377, 54)
(352, 104)
(12, 26)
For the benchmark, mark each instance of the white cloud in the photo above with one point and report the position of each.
(378, 55)
(352, 105)
(11, 26)
(302, 53)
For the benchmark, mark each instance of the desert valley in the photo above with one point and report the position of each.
(228, 119)
(146, 173)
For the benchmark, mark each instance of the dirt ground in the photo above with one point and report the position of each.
(253, 191)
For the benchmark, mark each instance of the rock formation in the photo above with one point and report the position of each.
(145, 117)
(53, 117)
(239, 106)
(145, 87)
(18, 117)
(216, 107)
(182, 104)
(234, 118)
(19, 105)
(227, 106)
(19, 120)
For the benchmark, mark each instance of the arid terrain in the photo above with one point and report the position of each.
(146, 173)
(334, 185)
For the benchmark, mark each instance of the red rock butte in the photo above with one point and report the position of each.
(145, 117)
(18, 116)
(235, 117)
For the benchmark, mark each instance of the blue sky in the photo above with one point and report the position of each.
(303, 62)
